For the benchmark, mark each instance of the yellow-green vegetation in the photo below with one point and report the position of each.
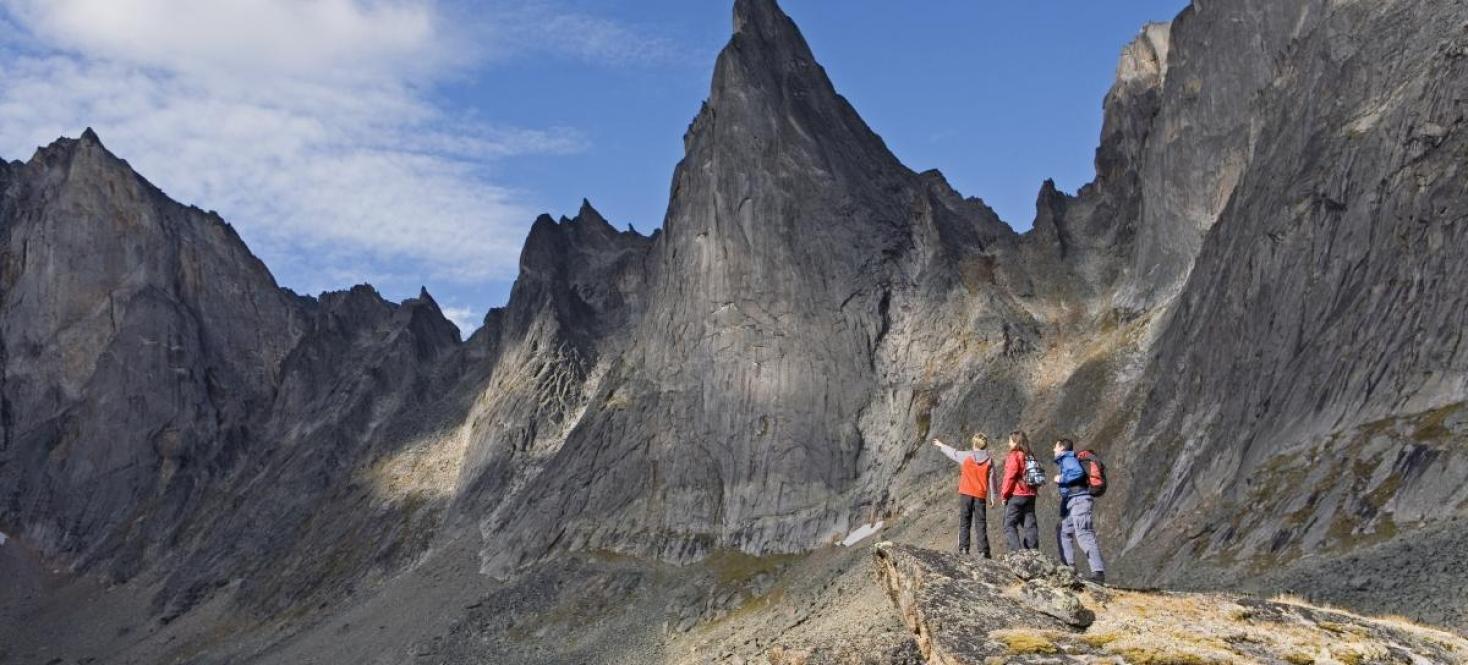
(1342, 628)
(731, 566)
(1345, 528)
(1151, 656)
(1021, 642)
(1343, 532)
(1154, 628)
(923, 403)
(1099, 640)
(1430, 425)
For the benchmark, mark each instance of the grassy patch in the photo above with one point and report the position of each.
(731, 566)
(1342, 628)
(923, 402)
(1021, 642)
(1430, 425)
(1151, 656)
(1099, 640)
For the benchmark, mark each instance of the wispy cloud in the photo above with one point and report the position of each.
(313, 39)
(539, 27)
(310, 124)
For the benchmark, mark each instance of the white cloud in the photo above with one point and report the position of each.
(309, 124)
(463, 317)
(320, 38)
(536, 26)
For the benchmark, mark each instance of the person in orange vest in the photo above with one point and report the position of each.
(975, 492)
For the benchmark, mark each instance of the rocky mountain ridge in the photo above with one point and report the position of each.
(1250, 311)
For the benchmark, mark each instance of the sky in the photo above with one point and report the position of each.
(408, 143)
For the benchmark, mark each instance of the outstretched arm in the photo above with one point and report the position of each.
(951, 453)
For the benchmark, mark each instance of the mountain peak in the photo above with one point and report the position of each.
(769, 89)
(588, 213)
(762, 18)
(765, 38)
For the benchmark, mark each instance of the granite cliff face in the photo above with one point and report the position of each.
(730, 415)
(167, 408)
(1251, 311)
(1306, 393)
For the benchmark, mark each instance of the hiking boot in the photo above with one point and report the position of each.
(1099, 578)
(963, 550)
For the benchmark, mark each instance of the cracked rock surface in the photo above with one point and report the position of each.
(1252, 313)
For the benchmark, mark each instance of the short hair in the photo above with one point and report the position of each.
(1066, 444)
(980, 441)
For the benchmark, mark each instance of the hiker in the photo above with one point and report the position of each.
(1076, 501)
(1022, 475)
(975, 493)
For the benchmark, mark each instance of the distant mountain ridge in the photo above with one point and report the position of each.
(1253, 311)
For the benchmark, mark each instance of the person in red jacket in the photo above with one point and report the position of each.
(975, 492)
(1021, 531)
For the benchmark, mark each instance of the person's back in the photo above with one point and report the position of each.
(1071, 480)
(974, 491)
(1021, 530)
(1076, 518)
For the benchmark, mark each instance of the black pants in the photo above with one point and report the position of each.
(971, 511)
(1020, 529)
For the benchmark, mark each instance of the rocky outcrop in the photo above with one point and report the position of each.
(952, 603)
(964, 611)
(535, 363)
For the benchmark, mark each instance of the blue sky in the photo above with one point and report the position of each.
(412, 142)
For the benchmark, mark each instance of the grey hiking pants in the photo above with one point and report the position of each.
(1076, 523)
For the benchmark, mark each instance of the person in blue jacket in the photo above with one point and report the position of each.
(1076, 502)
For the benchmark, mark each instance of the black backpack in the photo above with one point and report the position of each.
(1095, 471)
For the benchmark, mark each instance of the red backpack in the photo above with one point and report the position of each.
(1095, 471)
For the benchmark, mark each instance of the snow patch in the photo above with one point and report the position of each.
(862, 533)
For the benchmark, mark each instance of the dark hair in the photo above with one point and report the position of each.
(1066, 444)
(1022, 442)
